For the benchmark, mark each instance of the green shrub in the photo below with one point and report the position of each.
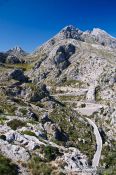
(51, 153)
(14, 124)
(7, 167)
(1, 111)
(8, 108)
(23, 111)
(38, 167)
(30, 133)
(74, 129)
(83, 105)
(3, 137)
(2, 119)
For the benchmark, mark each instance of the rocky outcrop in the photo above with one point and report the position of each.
(12, 60)
(90, 96)
(75, 161)
(69, 32)
(54, 131)
(14, 152)
(18, 75)
(35, 93)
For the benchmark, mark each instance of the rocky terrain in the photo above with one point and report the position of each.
(57, 106)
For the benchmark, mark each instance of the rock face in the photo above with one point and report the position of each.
(54, 131)
(75, 161)
(103, 38)
(18, 74)
(14, 152)
(90, 96)
(12, 60)
(35, 93)
(64, 56)
(70, 32)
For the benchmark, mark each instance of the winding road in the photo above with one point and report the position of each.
(88, 109)
(97, 155)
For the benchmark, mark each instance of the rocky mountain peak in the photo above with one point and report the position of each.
(69, 32)
(103, 38)
(100, 32)
(16, 51)
(69, 28)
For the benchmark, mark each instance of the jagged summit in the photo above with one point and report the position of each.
(69, 32)
(98, 31)
(94, 36)
(18, 48)
(17, 51)
(69, 28)
(97, 36)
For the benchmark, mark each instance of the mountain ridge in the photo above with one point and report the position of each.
(58, 106)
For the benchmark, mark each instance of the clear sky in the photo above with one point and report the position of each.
(29, 23)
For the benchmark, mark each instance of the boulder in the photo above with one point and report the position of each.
(18, 75)
(10, 136)
(54, 131)
(37, 92)
(75, 160)
(14, 152)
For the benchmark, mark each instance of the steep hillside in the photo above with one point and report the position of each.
(57, 106)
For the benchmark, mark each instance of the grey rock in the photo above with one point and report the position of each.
(12, 60)
(90, 96)
(55, 131)
(14, 152)
(16, 51)
(37, 93)
(10, 136)
(18, 74)
(75, 160)
(69, 32)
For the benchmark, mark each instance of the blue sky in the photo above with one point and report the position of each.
(29, 23)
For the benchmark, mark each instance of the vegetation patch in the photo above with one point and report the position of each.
(24, 67)
(71, 98)
(5, 107)
(109, 159)
(30, 133)
(51, 153)
(2, 120)
(7, 167)
(14, 124)
(39, 167)
(72, 82)
(23, 111)
(77, 130)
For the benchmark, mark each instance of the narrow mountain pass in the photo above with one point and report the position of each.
(97, 155)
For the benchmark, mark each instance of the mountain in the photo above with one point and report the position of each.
(96, 36)
(77, 55)
(17, 51)
(13, 56)
(58, 106)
